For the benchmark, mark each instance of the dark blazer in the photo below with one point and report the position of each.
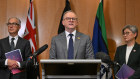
(133, 61)
(25, 49)
(82, 47)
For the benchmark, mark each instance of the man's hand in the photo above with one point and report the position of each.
(12, 64)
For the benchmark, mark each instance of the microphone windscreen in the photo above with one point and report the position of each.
(103, 56)
(100, 55)
(40, 50)
(106, 58)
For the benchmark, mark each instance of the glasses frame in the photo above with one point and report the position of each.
(69, 19)
(126, 33)
(12, 24)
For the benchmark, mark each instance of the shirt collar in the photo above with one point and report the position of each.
(16, 37)
(67, 33)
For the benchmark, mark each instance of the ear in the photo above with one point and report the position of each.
(76, 23)
(135, 34)
(63, 22)
(19, 27)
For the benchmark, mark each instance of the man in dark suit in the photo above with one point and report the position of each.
(7, 45)
(71, 44)
(130, 52)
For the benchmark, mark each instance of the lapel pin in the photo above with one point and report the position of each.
(134, 50)
(78, 37)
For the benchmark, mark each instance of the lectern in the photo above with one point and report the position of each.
(65, 68)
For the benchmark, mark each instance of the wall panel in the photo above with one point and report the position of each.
(117, 14)
(3, 12)
(114, 13)
(133, 14)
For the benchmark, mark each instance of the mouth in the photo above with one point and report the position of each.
(11, 29)
(70, 24)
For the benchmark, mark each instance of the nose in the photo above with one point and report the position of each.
(11, 26)
(124, 36)
(71, 20)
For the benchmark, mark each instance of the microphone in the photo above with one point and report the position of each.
(32, 59)
(106, 58)
(40, 50)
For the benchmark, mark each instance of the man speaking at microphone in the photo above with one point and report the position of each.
(71, 44)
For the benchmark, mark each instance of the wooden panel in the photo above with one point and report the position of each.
(86, 12)
(117, 14)
(3, 12)
(114, 13)
(133, 14)
(18, 8)
(48, 14)
(51, 11)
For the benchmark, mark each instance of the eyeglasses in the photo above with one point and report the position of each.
(69, 19)
(126, 33)
(12, 24)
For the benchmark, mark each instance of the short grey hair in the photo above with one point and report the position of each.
(132, 28)
(19, 21)
(68, 12)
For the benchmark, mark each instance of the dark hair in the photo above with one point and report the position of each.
(132, 28)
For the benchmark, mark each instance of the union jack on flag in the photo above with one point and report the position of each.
(30, 29)
(30, 34)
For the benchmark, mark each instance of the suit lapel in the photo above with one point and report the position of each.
(132, 53)
(18, 43)
(76, 44)
(124, 54)
(7, 44)
(64, 43)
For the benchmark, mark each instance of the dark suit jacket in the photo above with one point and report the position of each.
(133, 61)
(25, 49)
(82, 47)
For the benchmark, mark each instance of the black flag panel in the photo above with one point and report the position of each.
(67, 8)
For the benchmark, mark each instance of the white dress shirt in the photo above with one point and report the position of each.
(68, 37)
(15, 41)
(128, 51)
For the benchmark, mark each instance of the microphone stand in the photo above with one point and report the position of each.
(107, 71)
(32, 67)
(36, 66)
(111, 65)
(35, 62)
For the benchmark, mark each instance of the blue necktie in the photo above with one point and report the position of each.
(71, 48)
(12, 44)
